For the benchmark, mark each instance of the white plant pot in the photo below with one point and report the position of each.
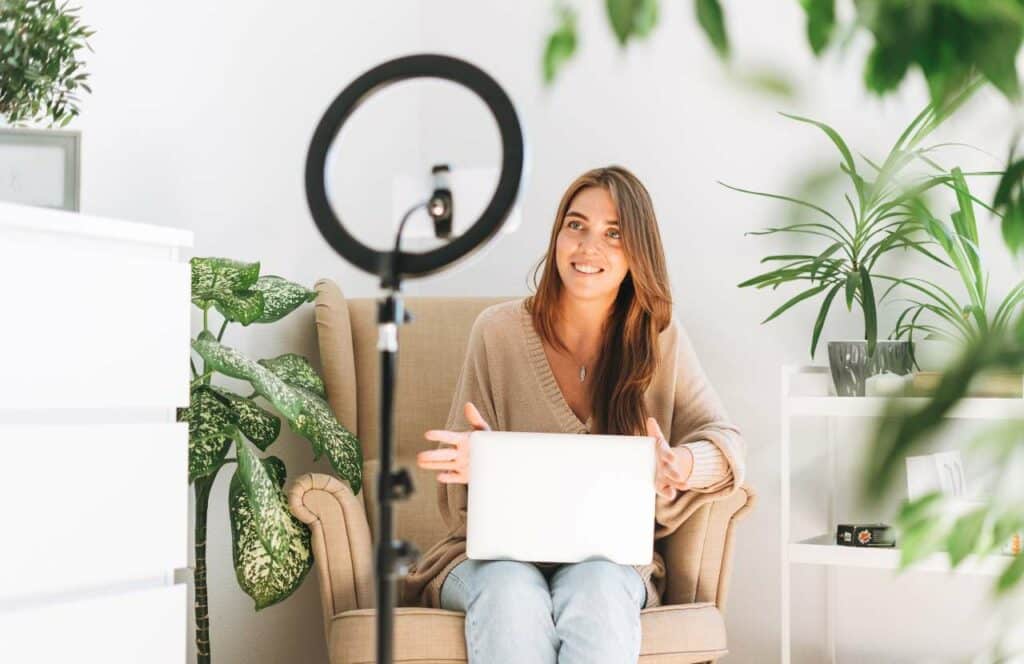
(935, 354)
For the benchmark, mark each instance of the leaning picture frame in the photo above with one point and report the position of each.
(41, 167)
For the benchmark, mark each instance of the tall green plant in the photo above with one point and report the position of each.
(270, 547)
(947, 316)
(879, 213)
(40, 73)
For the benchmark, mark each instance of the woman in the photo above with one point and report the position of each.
(595, 350)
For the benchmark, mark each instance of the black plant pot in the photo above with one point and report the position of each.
(851, 366)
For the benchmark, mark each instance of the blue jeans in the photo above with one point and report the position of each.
(577, 613)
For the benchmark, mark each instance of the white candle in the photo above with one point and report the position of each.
(884, 385)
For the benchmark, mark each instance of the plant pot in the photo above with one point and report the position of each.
(935, 354)
(851, 366)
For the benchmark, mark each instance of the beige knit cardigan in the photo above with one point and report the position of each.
(508, 378)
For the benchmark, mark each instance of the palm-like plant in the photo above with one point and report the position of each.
(880, 212)
(270, 547)
(960, 323)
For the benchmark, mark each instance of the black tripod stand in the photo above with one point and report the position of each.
(393, 557)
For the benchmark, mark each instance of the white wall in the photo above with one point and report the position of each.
(201, 118)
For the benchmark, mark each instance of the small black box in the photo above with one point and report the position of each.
(865, 534)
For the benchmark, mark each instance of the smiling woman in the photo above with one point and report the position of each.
(595, 350)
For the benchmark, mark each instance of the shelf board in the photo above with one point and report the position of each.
(821, 550)
(984, 408)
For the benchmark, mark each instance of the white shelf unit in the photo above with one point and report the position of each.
(807, 392)
(95, 516)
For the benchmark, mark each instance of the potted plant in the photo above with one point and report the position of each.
(270, 547)
(951, 325)
(40, 73)
(880, 212)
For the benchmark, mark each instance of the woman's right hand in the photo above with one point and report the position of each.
(453, 460)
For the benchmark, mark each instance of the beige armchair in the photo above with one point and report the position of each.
(688, 628)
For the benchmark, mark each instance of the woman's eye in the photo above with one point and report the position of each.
(615, 235)
(570, 224)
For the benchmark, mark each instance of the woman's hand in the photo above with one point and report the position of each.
(454, 460)
(675, 464)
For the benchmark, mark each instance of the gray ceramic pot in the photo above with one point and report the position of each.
(851, 365)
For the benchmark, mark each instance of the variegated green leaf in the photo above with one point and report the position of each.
(318, 425)
(243, 307)
(210, 426)
(217, 278)
(232, 363)
(269, 511)
(257, 424)
(280, 297)
(266, 578)
(307, 414)
(297, 372)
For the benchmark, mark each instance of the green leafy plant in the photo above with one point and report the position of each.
(949, 41)
(958, 322)
(270, 547)
(880, 213)
(40, 73)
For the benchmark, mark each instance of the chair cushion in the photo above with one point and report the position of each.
(680, 634)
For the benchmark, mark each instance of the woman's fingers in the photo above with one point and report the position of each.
(442, 454)
(443, 436)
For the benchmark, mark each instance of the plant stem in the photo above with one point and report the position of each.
(202, 487)
(223, 327)
(201, 379)
(206, 325)
(192, 363)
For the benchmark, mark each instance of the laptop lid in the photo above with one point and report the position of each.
(551, 497)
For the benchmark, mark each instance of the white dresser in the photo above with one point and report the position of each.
(94, 338)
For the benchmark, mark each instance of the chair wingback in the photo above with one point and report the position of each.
(432, 349)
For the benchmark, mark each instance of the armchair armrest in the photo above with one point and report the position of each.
(698, 555)
(341, 542)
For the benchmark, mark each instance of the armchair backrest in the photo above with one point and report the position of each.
(431, 352)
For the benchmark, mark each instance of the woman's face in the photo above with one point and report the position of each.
(588, 251)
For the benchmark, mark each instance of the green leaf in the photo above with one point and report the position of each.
(810, 292)
(821, 19)
(561, 44)
(280, 297)
(232, 363)
(297, 372)
(225, 284)
(1011, 576)
(266, 575)
(318, 425)
(631, 18)
(211, 424)
(822, 315)
(269, 510)
(712, 20)
(307, 414)
(867, 294)
(963, 539)
(257, 424)
(852, 283)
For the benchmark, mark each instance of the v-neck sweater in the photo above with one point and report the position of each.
(507, 376)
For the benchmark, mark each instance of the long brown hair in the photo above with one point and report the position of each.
(642, 308)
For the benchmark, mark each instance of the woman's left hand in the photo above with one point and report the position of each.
(675, 464)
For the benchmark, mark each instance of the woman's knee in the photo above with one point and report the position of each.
(599, 581)
(510, 587)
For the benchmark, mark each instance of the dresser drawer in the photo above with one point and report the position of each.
(87, 505)
(92, 330)
(123, 628)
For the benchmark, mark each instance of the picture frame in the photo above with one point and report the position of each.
(41, 167)
(941, 471)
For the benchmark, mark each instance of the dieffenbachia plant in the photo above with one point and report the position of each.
(270, 547)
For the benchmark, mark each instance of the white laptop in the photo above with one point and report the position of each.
(560, 498)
